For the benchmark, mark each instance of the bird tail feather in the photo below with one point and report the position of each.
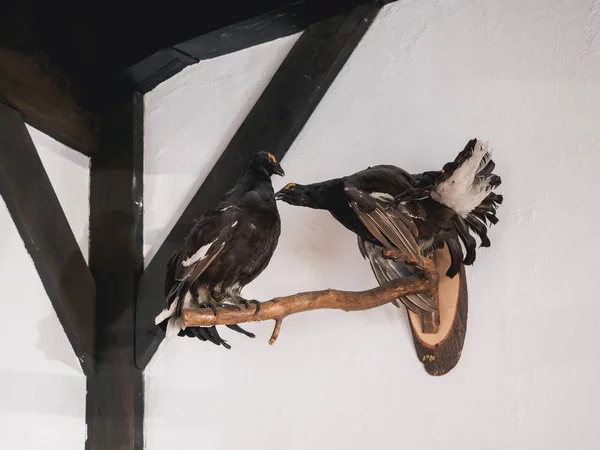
(171, 321)
(469, 191)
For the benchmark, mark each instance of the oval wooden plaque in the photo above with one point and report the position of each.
(440, 352)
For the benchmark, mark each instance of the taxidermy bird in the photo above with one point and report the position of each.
(400, 217)
(227, 248)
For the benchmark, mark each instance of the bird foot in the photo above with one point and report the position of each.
(248, 302)
(213, 305)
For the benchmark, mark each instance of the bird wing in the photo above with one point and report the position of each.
(386, 270)
(202, 249)
(205, 242)
(394, 228)
(391, 225)
(171, 270)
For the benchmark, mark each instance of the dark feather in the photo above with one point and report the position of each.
(170, 276)
(468, 240)
(393, 227)
(456, 256)
(476, 225)
(478, 214)
(491, 217)
(435, 245)
(487, 169)
(386, 270)
(239, 329)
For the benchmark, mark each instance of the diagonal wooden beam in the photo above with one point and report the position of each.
(115, 400)
(274, 122)
(47, 235)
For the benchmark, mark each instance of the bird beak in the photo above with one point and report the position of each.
(278, 170)
(279, 195)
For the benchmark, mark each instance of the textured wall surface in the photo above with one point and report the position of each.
(427, 77)
(188, 123)
(42, 387)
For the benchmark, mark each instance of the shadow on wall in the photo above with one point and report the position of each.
(55, 349)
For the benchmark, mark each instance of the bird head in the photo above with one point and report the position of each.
(265, 161)
(446, 172)
(293, 194)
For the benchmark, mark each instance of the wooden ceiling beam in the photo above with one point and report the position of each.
(47, 235)
(43, 95)
(284, 19)
(272, 125)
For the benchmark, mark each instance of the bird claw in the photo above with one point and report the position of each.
(257, 304)
(212, 305)
(247, 303)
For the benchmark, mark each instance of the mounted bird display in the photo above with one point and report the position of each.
(227, 248)
(400, 217)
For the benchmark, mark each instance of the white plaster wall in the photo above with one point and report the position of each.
(427, 77)
(189, 121)
(42, 387)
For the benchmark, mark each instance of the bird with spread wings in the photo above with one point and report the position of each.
(399, 217)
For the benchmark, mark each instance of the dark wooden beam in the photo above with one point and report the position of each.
(94, 46)
(285, 20)
(274, 122)
(47, 235)
(115, 400)
(44, 97)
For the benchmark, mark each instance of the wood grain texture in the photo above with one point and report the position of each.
(43, 97)
(115, 400)
(281, 307)
(273, 123)
(440, 352)
(48, 237)
(284, 20)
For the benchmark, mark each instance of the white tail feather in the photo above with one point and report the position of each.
(166, 313)
(460, 191)
(173, 327)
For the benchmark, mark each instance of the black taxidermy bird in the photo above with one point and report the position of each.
(227, 248)
(391, 210)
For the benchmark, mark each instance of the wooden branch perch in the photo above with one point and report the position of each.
(279, 308)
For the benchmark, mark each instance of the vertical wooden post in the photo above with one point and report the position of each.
(115, 400)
